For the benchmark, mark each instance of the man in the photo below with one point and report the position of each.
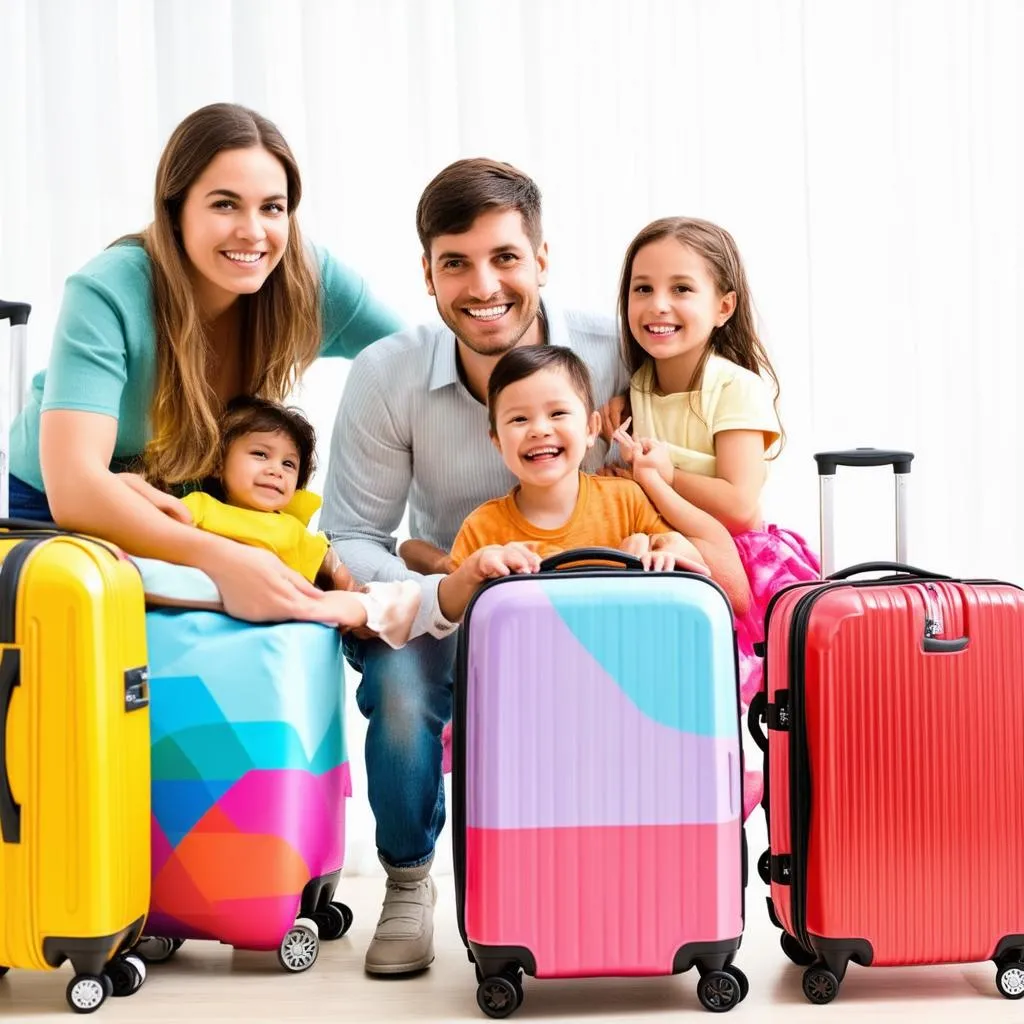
(412, 429)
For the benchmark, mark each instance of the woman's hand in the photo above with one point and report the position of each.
(257, 586)
(166, 503)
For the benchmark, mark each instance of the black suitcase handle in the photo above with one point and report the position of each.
(591, 555)
(755, 715)
(29, 526)
(16, 312)
(898, 567)
(899, 460)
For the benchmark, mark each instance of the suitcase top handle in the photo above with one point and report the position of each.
(16, 312)
(908, 570)
(591, 555)
(827, 461)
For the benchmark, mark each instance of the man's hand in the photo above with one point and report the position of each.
(613, 414)
(421, 556)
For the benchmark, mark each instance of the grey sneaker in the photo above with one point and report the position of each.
(404, 939)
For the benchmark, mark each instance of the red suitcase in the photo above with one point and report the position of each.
(894, 767)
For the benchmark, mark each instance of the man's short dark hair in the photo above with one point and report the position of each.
(525, 361)
(467, 188)
(248, 415)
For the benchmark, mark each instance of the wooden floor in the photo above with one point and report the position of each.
(207, 982)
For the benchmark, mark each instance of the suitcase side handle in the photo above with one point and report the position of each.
(899, 567)
(590, 555)
(10, 812)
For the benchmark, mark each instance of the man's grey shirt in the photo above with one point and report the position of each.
(408, 431)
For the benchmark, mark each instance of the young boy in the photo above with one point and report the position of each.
(543, 421)
(267, 458)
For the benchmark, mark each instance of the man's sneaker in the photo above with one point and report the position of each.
(404, 939)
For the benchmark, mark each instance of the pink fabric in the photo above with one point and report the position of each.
(773, 558)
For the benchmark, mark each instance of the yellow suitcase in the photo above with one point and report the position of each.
(74, 760)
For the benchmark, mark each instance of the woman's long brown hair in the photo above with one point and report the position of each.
(280, 323)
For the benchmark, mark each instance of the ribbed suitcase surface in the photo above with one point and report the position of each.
(74, 741)
(896, 768)
(597, 774)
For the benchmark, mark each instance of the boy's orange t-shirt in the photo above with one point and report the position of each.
(607, 511)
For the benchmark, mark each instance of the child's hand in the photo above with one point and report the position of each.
(659, 561)
(503, 559)
(651, 456)
(636, 544)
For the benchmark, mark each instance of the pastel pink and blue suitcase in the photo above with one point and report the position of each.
(250, 777)
(597, 774)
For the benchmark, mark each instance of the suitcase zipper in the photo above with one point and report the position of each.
(799, 773)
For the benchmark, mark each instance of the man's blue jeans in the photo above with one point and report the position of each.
(407, 697)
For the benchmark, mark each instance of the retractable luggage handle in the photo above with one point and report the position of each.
(10, 403)
(827, 464)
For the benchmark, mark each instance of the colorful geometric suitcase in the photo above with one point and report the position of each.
(74, 746)
(596, 780)
(894, 769)
(250, 778)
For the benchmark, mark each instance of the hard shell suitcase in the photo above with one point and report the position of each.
(894, 768)
(597, 780)
(74, 765)
(250, 780)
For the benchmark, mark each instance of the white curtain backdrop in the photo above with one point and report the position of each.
(866, 154)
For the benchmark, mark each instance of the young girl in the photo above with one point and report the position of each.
(266, 459)
(701, 410)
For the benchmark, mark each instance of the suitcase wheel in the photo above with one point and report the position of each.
(300, 947)
(86, 993)
(719, 991)
(741, 979)
(3, 971)
(126, 973)
(1010, 979)
(820, 985)
(155, 949)
(764, 867)
(800, 956)
(500, 994)
(333, 921)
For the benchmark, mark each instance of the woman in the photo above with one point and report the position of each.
(217, 297)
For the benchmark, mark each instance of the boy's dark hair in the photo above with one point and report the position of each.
(465, 189)
(248, 415)
(520, 363)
